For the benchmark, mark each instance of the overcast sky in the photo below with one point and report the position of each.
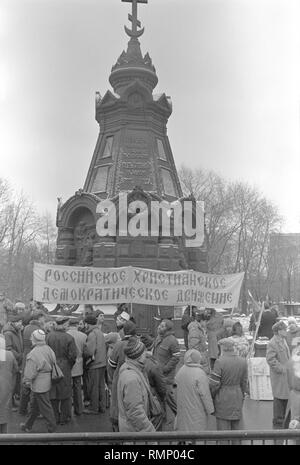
(231, 67)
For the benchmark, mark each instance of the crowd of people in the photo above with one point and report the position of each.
(148, 383)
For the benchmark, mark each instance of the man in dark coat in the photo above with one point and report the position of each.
(167, 352)
(64, 347)
(185, 321)
(14, 343)
(228, 381)
(8, 369)
(155, 376)
(277, 356)
(94, 352)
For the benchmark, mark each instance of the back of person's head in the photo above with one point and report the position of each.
(129, 328)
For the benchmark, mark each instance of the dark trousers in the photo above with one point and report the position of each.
(77, 395)
(279, 411)
(96, 388)
(41, 404)
(3, 428)
(62, 409)
(25, 399)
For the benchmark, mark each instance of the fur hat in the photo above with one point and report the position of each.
(278, 326)
(129, 328)
(62, 319)
(227, 344)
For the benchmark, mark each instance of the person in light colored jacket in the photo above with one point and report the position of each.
(77, 369)
(37, 375)
(133, 388)
(194, 401)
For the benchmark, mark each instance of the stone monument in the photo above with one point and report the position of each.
(132, 155)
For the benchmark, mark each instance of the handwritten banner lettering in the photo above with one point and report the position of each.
(82, 285)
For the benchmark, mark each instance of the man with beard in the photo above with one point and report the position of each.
(167, 352)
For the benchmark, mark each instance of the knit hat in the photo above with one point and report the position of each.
(38, 336)
(278, 326)
(62, 319)
(227, 344)
(90, 319)
(148, 341)
(192, 356)
(134, 348)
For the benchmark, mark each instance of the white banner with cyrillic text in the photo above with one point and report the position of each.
(84, 285)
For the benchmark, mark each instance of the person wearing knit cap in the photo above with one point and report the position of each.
(37, 376)
(64, 347)
(194, 402)
(115, 361)
(277, 356)
(133, 390)
(293, 333)
(166, 351)
(229, 384)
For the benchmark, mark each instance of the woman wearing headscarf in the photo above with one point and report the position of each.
(194, 401)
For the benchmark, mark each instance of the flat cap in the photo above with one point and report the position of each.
(62, 319)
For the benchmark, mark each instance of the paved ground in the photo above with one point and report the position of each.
(257, 415)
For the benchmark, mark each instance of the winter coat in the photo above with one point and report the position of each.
(277, 356)
(197, 338)
(155, 377)
(185, 321)
(8, 370)
(80, 340)
(268, 319)
(228, 383)
(115, 361)
(27, 332)
(213, 325)
(167, 352)
(63, 345)
(194, 401)
(38, 368)
(293, 338)
(133, 399)
(14, 342)
(5, 307)
(95, 347)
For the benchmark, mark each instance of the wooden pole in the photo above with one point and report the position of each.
(251, 351)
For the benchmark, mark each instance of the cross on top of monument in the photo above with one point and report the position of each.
(134, 33)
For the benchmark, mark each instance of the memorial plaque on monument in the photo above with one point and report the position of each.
(135, 164)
